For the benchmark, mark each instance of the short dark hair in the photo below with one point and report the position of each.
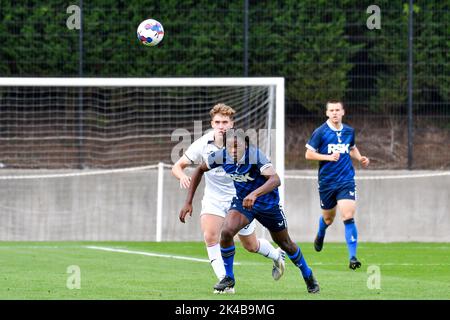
(334, 101)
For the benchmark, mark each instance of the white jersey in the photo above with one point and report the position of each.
(218, 185)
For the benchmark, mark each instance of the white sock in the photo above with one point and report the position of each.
(215, 257)
(267, 250)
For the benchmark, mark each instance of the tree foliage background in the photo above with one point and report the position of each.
(323, 48)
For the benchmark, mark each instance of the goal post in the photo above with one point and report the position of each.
(65, 127)
(275, 87)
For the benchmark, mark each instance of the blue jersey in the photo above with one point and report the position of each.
(246, 175)
(326, 139)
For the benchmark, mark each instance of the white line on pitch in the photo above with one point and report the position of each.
(150, 254)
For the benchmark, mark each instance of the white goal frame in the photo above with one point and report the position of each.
(277, 82)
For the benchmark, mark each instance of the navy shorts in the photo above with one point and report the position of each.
(330, 196)
(273, 219)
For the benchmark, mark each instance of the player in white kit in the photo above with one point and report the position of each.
(219, 191)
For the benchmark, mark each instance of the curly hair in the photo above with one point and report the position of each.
(223, 110)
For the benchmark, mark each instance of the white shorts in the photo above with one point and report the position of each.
(220, 208)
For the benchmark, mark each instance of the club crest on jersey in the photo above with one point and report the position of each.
(338, 147)
(241, 177)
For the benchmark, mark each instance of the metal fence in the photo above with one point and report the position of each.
(380, 59)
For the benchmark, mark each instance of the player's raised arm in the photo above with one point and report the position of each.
(355, 154)
(193, 155)
(273, 182)
(178, 171)
(312, 148)
(314, 155)
(215, 160)
(195, 181)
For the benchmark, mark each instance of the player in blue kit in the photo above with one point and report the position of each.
(333, 144)
(256, 184)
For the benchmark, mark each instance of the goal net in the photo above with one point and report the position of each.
(81, 158)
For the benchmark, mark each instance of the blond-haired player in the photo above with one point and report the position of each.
(218, 194)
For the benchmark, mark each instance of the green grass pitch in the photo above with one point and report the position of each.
(39, 270)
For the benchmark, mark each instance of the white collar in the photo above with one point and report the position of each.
(332, 127)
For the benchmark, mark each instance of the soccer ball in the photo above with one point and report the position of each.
(150, 32)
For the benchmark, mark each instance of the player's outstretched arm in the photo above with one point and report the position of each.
(273, 181)
(195, 181)
(355, 154)
(313, 155)
(178, 171)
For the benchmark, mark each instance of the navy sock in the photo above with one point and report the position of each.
(351, 236)
(228, 260)
(322, 227)
(300, 262)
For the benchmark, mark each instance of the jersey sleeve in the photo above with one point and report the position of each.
(194, 152)
(352, 141)
(314, 142)
(215, 159)
(262, 162)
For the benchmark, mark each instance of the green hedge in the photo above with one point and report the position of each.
(323, 50)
